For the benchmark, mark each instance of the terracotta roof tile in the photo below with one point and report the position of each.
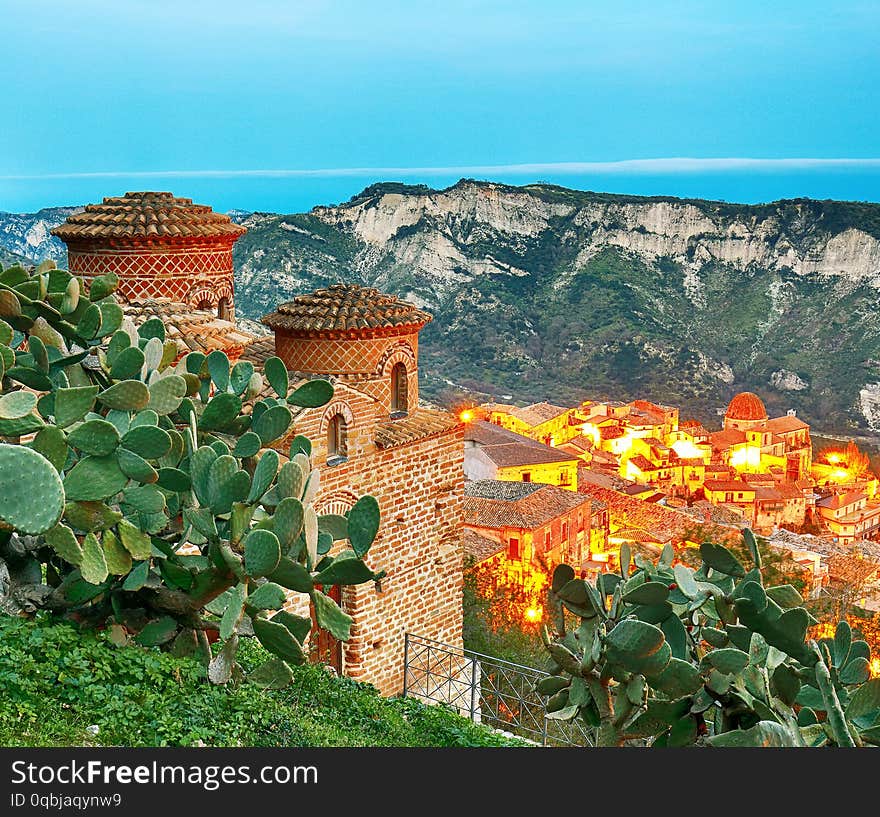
(147, 215)
(785, 425)
(537, 413)
(530, 510)
(421, 423)
(479, 547)
(343, 308)
(193, 330)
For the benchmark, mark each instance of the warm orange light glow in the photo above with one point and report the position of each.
(840, 475)
(875, 667)
(745, 457)
(466, 416)
(834, 458)
(534, 614)
(687, 450)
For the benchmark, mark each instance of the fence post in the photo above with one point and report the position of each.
(544, 733)
(473, 687)
(405, 662)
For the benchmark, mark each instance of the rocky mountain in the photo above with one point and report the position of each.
(26, 235)
(544, 292)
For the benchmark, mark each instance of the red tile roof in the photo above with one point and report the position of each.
(537, 413)
(746, 406)
(417, 425)
(343, 308)
(508, 449)
(147, 215)
(786, 425)
(479, 547)
(532, 509)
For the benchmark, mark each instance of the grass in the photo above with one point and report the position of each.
(58, 684)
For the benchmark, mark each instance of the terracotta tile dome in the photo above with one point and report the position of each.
(746, 406)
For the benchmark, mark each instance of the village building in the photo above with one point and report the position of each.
(534, 522)
(174, 262)
(850, 516)
(543, 422)
(493, 452)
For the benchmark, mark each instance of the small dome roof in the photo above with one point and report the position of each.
(343, 308)
(746, 406)
(147, 215)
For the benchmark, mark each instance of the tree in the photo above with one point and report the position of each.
(145, 496)
(665, 655)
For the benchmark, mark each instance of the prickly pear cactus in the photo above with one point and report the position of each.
(663, 655)
(142, 493)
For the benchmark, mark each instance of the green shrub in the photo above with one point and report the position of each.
(58, 681)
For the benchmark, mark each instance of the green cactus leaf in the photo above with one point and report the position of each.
(20, 426)
(268, 596)
(262, 553)
(224, 484)
(218, 368)
(264, 474)
(312, 394)
(232, 613)
(334, 524)
(785, 595)
(785, 683)
(325, 542)
(10, 306)
(721, 559)
(678, 678)
(728, 660)
(31, 493)
(842, 643)
(248, 445)
(127, 395)
(363, 524)
(111, 318)
(89, 323)
(289, 516)
(62, 540)
(127, 363)
(278, 640)
(221, 666)
(117, 345)
(292, 575)
(676, 636)
(93, 566)
(240, 376)
(552, 684)
(273, 674)
(145, 498)
(166, 394)
(647, 593)
(290, 480)
(136, 467)
(299, 626)
(118, 559)
(38, 351)
(96, 437)
(17, 404)
(856, 671)
(345, 572)
(102, 286)
(201, 520)
(330, 617)
(173, 479)
(220, 412)
(276, 374)
(864, 701)
(717, 638)
(5, 333)
(300, 445)
(94, 479)
(152, 328)
(71, 405)
(859, 649)
(273, 423)
(147, 441)
(90, 516)
(175, 575)
(78, 591)
(199, 469)
(29, 377)
(135, 541)
(763, 733)
(157, 632)
(638, 647)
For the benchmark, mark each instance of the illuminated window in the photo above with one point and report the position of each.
(398, 388)
(547, 540)
(337, 438)
(513, 551)
(565, 530)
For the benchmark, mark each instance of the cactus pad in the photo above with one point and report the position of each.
(31, 495)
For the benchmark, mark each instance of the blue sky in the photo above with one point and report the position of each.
(429, 92)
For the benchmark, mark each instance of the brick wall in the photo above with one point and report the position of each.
(192, 273)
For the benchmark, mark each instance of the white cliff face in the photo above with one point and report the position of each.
(869, 403)
(28, 234)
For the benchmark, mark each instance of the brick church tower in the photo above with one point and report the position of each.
(374, 438)
(159, 246)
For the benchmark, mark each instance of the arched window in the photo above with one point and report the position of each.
(398, 389)
(223, 310)
(204, 304)
(337, 438)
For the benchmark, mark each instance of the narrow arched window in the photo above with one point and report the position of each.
(398, 389)
(223, 310)
(337, 438)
